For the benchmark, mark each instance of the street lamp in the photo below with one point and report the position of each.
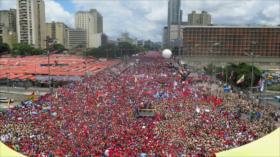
(252, 54)
(49, 43)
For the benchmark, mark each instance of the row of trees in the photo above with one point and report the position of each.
(4, 48)
(233, 72)
(105, 51)
(115, 51)
(21, 49)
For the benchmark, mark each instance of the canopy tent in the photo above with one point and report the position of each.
(267, 146)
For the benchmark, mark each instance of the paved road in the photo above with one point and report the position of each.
(22, 91)
(18, 94)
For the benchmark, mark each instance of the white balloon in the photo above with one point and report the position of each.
(106, 153)
(166, 53)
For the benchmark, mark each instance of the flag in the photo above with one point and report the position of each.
(135, 79)
(242, 78)
(261, 84)
(9, 102)
(32, 96)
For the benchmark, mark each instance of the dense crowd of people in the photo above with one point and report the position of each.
(101, 115)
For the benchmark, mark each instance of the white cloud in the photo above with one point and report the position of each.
(157, 15)
(120, 16)
(55, 12)
(272, 11)
(272, 14)
(146, 18)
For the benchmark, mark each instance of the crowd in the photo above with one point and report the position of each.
(192, 116)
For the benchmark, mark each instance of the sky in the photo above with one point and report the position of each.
(145, 19)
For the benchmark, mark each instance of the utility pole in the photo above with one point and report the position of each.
(48, 40)
(85, 62)
(252, 76)
(179, 33)
(49, 70)
(226, 75)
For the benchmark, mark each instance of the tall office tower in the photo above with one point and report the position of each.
(31, 22)
(58, 31)
(174, 20)
(92, 22)
(8, 26)
(174, 12)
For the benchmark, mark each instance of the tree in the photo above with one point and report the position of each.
(4, 47)
(209, 69)
(113, 51)
(23, 49)
(58, 48)
(233, 72)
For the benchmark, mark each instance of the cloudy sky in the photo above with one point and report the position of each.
(145, 19)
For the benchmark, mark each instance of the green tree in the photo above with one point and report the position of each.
(4, 47)
(23, 49)
(113, 51)
(210, 69)
(233, 73)
(58, 48)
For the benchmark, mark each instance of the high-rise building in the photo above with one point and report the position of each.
(92, 22)
(58, 31)
(77, 38)
(203, 19)
(31, 22)
(8, 26)
(174, 20)
(174, 12)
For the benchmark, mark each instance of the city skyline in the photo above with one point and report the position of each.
(153, 14)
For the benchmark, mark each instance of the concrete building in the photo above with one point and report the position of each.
(77, 38)
(104, 39)
(140, 42)
(165, 36)
(126, 38)
(31, 22)
(8, 33)
(231, 40)
(172, 38)
(59, 32)
(100, 39)
(92, 22)
(203, 19)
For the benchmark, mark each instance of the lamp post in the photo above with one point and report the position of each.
(49, 43)
(49, 71)
(252, 55)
